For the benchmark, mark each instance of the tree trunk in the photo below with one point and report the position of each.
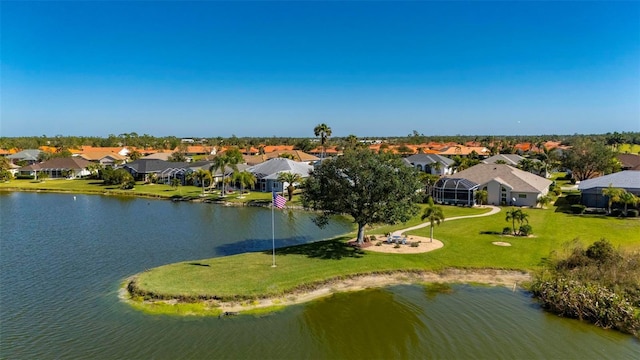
(431, 232)
(290, 189)
(361, 234)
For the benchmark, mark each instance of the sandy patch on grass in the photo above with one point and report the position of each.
(501, 243)
(424, 245)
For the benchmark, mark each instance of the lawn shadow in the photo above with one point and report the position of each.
(490, 233)
(334, 249)
(199, 264)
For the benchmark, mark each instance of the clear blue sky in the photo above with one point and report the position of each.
(280, 68)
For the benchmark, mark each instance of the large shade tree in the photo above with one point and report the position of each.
(324, 132)
(371, 188)
(587, 159)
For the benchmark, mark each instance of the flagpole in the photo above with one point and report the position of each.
(273, 231)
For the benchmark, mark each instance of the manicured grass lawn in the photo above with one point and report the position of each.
(250, 275)
(629, 148)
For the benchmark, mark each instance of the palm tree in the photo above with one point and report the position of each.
(518, 215)
(613, 195)
(544, 200)
(628, 198)
(202, 175)
(220, 162)
(481, 197)
(291, 179)
(434, 214)
(245, 178)
(324, 132)
(513, 215)
(231, 158)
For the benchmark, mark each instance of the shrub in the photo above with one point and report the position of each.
(379, 243)
(372, 238)
(414, 244)
(25, 177)
(616, 212)
(578, 208)
(506, 230)
(526, 230)
(602, 251)
(632, 213)
(396, 246)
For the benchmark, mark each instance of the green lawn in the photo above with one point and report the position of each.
(467, 245)
(629, 148)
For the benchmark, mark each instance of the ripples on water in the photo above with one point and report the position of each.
(61, 262)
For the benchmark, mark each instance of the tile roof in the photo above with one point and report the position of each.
(99, 155)
(297, 156)
(629, 161)
(516, 179)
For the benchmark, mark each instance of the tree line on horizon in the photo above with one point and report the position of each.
(146, 141)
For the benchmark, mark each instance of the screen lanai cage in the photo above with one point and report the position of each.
(454, 191)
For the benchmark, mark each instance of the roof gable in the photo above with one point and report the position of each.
(517, 179)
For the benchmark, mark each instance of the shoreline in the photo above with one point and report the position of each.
(492, 277)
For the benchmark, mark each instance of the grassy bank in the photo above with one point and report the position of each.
(160, 191)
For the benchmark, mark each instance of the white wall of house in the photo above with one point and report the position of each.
(495, 193)
(429, 169)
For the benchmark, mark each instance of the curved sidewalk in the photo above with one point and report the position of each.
(494, 210)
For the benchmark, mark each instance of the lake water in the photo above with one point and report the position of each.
(62, 261)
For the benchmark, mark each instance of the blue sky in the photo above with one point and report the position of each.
(280, 68)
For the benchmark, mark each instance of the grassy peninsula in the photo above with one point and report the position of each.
(468, 245)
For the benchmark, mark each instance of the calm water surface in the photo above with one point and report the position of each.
(62, 261)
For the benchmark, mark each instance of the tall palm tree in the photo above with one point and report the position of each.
(231, 158)
(202, 175)
(434, 214)
(613, 195)
(324, 132)
(291, 179)
(220, 162)
(245, 178)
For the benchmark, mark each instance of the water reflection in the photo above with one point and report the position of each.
(368, 324)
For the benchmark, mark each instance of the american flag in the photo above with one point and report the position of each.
(278, 200)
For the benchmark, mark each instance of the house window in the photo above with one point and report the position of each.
(522, 196)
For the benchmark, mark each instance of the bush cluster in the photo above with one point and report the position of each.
(597, 284)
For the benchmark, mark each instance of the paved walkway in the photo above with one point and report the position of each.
(494, 210)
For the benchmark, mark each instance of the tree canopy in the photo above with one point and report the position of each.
(589, 158)
(372, 188)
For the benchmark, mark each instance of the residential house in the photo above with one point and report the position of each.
(629, 161)
(267, 172)
(144, 169)
(461, 150)
(509, 159)
(432, 163)
(105, 158)
(29, 156)
(505, 185)
(296, 155)
(591, 189)
(56, 168)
